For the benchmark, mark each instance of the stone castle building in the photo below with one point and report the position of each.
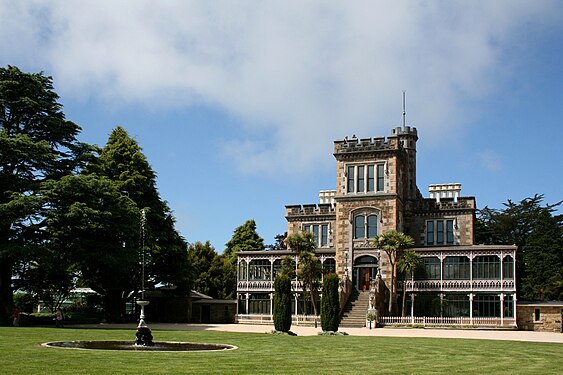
(376, 192)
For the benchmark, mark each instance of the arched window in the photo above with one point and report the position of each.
(277, 267)
(365, 225)
(456, 268)
(259, 270)
(431, 270)
(242, 270)
(486, 267)
(360, 227)
(508, 268)
(329, 265)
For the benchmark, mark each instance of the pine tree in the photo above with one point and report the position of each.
(37, 144)
(123, 162)
(245, 238)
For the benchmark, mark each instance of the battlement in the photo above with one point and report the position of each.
(309, 210)
(392, 142)
(461, 203)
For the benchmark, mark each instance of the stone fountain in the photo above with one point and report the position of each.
(144, 339)
(144, 334)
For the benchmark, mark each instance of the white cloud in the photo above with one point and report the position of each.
(298, 73)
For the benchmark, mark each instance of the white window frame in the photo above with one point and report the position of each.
(444, 222)
(309, 227)
(364, 168)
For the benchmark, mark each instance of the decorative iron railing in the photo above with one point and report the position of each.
(456, 285)
(448, 321)
(268, 319)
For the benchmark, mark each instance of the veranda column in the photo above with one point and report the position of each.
(412, 307)
(502, 309)
(471, 308)
(247, 295)
(296, 297)
(272, 304)
(514, 307)
(441, 305)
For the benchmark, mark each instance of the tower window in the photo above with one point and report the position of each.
(367, 178)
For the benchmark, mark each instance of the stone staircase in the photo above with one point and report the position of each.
(354, 313)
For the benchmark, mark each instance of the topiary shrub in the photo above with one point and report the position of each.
(282, 303)
(330, 306)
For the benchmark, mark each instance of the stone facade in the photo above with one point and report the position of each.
(540, 316)
(376, 192)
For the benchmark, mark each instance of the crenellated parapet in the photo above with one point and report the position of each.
(306, 210)
(392, 142)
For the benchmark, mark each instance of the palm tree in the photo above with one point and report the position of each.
(309, 270)
(393, 243)
(409, 262)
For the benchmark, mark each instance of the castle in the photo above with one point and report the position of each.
(460, 282)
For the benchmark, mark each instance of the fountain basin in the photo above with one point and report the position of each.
(159, 346)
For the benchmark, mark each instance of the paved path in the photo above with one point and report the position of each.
(387, 332)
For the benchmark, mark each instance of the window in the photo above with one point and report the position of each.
(455, 305)
(430, 232)
(508, 268)
(242, 271)
(365, 225)
(537, 315)
(367, 178)
(329, 266)
(486, 267)
(456, 268)
(277, 267)
(430, 271)
(259, 303)
(259, 270)
(320, 231)
(486, 305)
(435, 232)
(508, 306)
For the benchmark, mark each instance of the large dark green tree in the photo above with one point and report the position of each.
(213, 274)
(96, 228)
(512, 225)
(123, 162)
(37, 144)
(544, 260)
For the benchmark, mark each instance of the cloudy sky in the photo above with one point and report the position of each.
(237, 103)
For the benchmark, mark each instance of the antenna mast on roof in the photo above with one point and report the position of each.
(404, 112)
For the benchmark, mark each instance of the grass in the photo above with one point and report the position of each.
(274, 354)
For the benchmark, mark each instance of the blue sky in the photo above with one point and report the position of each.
(237, 103)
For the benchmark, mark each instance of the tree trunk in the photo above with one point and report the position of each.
(404, 296)
(6, 293)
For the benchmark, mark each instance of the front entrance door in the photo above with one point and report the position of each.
(365, 270)
(365, 278)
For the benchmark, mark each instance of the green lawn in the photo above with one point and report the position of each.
(273, 354)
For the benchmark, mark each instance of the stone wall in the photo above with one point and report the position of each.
(550, 317)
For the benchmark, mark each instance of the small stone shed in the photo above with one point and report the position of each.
(208, 310)
(540, 316)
